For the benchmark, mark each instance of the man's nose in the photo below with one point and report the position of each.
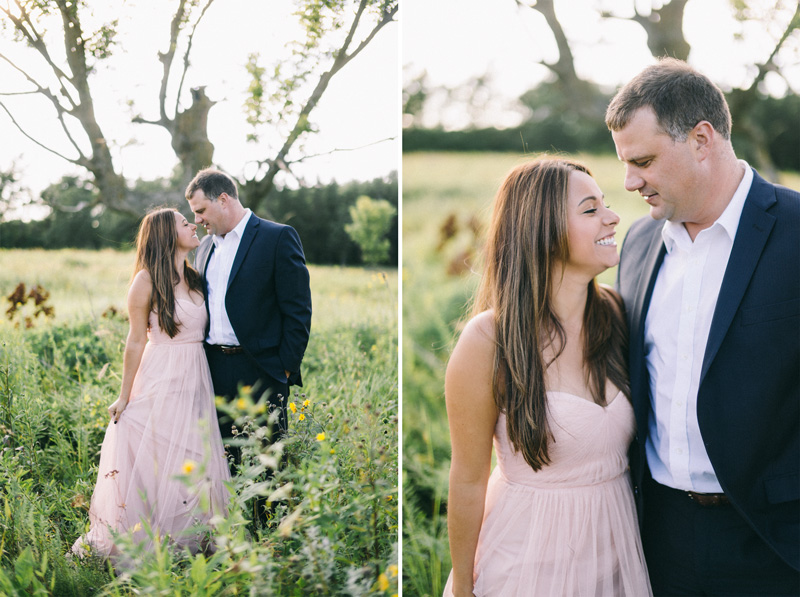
(633, 182)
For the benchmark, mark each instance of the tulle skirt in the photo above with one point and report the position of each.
(162, 469)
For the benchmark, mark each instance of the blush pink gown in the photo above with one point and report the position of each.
(170, 423)
(569, 529)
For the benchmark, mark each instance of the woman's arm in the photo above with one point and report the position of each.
(138, 313)
(472, 415)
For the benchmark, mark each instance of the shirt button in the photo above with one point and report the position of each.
(679, 403)
(685, 357)
(679, 451)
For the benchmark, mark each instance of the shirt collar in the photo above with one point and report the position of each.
(237, 231)
(675, 232)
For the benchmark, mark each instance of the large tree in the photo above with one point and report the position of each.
(68, 86)
(335, 33)
(663, 25)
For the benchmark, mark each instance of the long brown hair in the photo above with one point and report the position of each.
(156, 245)
(527, 240)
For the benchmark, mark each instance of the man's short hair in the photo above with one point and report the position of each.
(213, 183)
(679, 95)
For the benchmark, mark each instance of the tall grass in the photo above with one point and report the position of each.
(446, 204)
(333, 523)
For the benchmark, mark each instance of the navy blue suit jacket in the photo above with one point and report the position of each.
(748, 403)
(268, 299)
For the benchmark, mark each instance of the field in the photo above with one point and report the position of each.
(446, 202)
(333, 528)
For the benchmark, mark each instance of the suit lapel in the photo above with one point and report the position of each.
(244, 246)
(644, 289)
(754, 229)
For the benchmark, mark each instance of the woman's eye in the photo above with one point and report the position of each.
(590, 211)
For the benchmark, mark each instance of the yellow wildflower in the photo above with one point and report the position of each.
(292, 407)
(383, 582)
(333, 451)
(241, 404)
(189, 466)
(306, 402)
(321, 437)
(393, 570)
(137, 527)
(301, 417)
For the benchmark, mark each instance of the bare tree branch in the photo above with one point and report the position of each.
(37, 42)
(186, 55)
(340, 149)
(564, 67)
(79, 162)
(266, 184)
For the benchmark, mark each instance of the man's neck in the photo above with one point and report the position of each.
(726, 179)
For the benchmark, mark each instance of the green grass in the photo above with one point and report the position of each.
(440, 273)
(334, 530)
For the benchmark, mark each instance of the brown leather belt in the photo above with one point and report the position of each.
(709, 500)
(225, 349)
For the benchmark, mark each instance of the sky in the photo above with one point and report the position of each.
(454, 40)
(360, 108)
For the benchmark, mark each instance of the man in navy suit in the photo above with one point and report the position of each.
(257, 295)
(711, 283)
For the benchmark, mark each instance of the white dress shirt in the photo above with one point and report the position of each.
(218, 275)
(676, 333)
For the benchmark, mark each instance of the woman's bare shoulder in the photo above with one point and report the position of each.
(473, 355)
(141, 289)
(480, 330)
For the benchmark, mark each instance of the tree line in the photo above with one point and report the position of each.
(556, 126)
(319, 213)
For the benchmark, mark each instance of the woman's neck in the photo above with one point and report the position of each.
(569, 297)
(180, 258)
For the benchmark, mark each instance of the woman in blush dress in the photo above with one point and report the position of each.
(164, 422)
(539, 372)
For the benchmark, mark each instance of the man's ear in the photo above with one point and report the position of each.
(702, 138)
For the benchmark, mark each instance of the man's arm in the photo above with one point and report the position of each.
(294, 299)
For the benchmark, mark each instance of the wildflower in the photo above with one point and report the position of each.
(306, 402)
(262, 408)
(137, 527)
(389, 498)
(293, 407)
(333, 451)
(383, 582)
(321, 437)
(241, 404)
(189, 466)
(301, 417)
(393, 570)
(219, 400)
